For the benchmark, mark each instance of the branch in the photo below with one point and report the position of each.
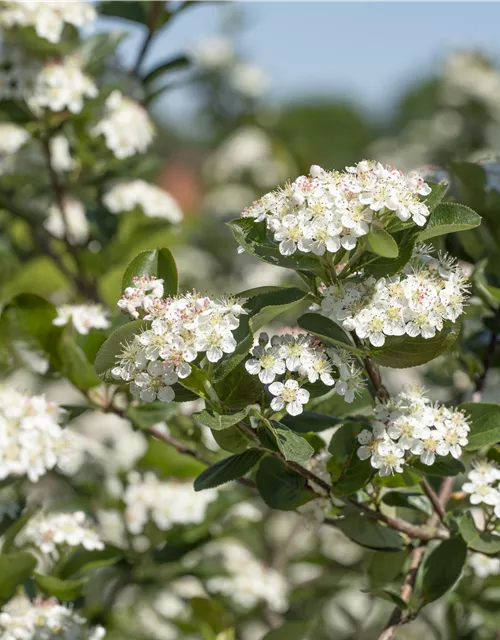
(156, 10)
(434, 498)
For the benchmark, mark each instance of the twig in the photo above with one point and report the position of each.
(433, 497)
(156, 10)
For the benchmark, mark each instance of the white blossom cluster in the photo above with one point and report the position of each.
(416, 303)
(411, 425)
(483, 485)
(59, 85)
(48, 18)
(249, 582)
(126, 126)
(166, 504)
(60, 154)
(21, 619)
(83, 317)
(30, 436)
(12, 138)
(151, 200)
(484, 566)
(181, 328)
(306, 357)
(327, 211)
(137, 301)
(71, 223)
(53, 532)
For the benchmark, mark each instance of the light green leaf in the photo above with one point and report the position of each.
(15, 568)
(151, 413)
(481, 541)
(114, 345)
(228, 469)
(382, 243)
(442, 568)
(485, 424)
(63, 590)
(159, 263)
(292, 446)
(370, 534)
(438, 192)
(448, 218)
(279, 486)
(217, 421)
(197, 382)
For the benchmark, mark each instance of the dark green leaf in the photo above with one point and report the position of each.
(15, 568)
(133, 10)
(244, 339)
(438, 192)
(327, 331)
(82, 561)
(74, 363)
(292, 446)
(386, 566)
(159, 263)
(227, 469)
(309, 421)
(279, 486)
(217, 421)
(413, 501)
(296, 630)
(442, 467)
(383, 267)
(232, 439)
(442, 568)
(485, 424)
(382, 243)
(481, 541)
(448, 218)
(370, 534)
(63, 590)
(172, 64)
(389, 596)
(29, 317)
(238, 388)
(263, 308)
(348, 472)
(114, 345)
(402, 352)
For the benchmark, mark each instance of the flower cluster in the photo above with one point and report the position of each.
(126, 126)
(152, 201)
(248, 581)
(60, 154)
(165, 503)
(306, 357)
(484, 566)
(22, 619)
(327, 211)
(83, 317)
(483, 485)
(52, 532)
(137, 301)
(428, 292)
(30, 436)
(410, 424)
(181, 328)
(12, 138)
(47, 18)
(71, 223)
(58, 86)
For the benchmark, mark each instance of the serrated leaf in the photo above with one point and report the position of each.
(228, 469)
(442, 568)
(382, 243)
(438, 192)
(15, 568)
(63, 590)
(370, 534)
(218, 421)
(238, 388)
(481, 541)
(348, 472)
(292, 446)
(403, 352)
(448, 218)
(279, 486)
(441, 467)
(114, 345)
(159, 263)
(265, 307)
(309, 421)
(484, 422)
(327, 331)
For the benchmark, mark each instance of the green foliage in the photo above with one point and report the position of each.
(158, 263)
(327, 331)
(482, 541)
(64, 590)
(219, 421)
(228, 469)
(442, 467)
(108, 353)
(448, 218)
(382, 243)
(347, 471)
(268, 305)
(370, 534)
(279, 486)
(485, 424)
(442, 568)
(292, 446)
(290, 631)
(15, 568)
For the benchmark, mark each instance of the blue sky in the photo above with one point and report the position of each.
(368, 51)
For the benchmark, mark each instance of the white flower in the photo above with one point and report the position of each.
(72, 224)
(289, 396)
(153, 201)
(484, 566)
(388, 458)
(482, 492)
(126, 126)
(267, 363)
(12, 138)
(60, 156)
(84, 317)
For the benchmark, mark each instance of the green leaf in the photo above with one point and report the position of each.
(441, 468)
(279, 486)
(197, 382)
(82, 561)
(15, 568)
(64, 590)
(370, 534)
(348, 472)
(74, 363)
(448, 218)
(29, 317)
(438, 192)
(252, 237)
(309, 421)
(232, 439)
(296, 630)
(146, 415)
(228, 469)
(385, 566)
(265, 307)
(389, 596)
(211, 614)
(412, 500)
(133, 10)
(159, 263)
(114, 345)
(238, 389)
(244, 339)
(217, 421)
(404, 351)
(327, 331)
(481, 541)
(383, 267)
(292, 446)
(382, 243)
(442, 568)
(172, 64)
(484, 422)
